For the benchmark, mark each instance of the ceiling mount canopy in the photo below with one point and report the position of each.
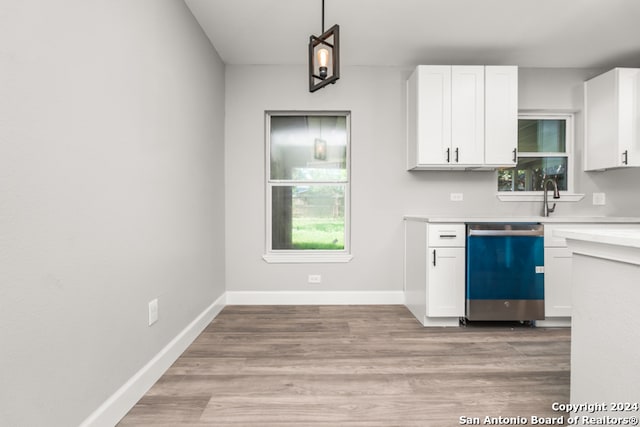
(324, 57)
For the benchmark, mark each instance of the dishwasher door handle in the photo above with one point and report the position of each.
(506, 233)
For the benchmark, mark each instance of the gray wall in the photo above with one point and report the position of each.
(382, 191)
(111, 194)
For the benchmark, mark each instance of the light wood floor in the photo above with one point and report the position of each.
(355, 366)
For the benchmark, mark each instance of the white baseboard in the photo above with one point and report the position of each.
(315, 298)
(115, 407)
(554, 322)
(441, 321)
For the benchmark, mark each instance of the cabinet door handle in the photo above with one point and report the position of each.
(515, 155)
(448, 236)
(448, 154)
(625, 157)
(434, 257)
(456, 154)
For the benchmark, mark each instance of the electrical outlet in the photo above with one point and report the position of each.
(153, 311)
(314, 278)
(599, 199)
(456, 197)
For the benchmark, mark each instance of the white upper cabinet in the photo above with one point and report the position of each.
(501, 116)
(461, 117)
(612, 120)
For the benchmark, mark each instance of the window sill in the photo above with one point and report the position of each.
(538, 197)
(302, 258)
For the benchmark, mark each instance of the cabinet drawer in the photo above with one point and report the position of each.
(446, 235)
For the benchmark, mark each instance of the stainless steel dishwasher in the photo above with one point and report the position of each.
(505, 271)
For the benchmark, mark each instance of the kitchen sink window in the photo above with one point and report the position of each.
(307, 191)
(545, 146)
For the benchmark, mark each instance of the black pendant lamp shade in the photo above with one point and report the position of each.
(324, 57)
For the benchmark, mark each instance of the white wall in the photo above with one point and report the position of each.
(111, 194)
(382, 191)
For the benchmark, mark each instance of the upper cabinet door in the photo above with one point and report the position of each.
(629, 116)
(434, 114)
(467, 115)
(612, 120)
(501, 115)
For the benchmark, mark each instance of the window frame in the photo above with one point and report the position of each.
(567, 195)
(306, 255)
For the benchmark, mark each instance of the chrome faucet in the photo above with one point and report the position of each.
(546, 209)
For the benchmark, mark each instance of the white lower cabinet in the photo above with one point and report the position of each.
(557, 282)
(434, 281)
(558, 270)
(445, 284)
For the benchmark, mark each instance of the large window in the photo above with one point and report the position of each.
(307, 186)
(544, 150)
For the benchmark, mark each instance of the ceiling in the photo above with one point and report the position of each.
(528, 33)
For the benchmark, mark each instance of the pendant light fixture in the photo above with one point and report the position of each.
(324, 57)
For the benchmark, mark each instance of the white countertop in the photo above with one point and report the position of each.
(540, 219)
(616, 244)
(617, 237)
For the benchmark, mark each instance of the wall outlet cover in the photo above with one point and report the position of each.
(314, 278)
(599, 199)
(456, 197)
(153, 311)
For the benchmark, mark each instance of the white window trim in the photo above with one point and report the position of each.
(295, 257)
(537, 196)
(309, 255)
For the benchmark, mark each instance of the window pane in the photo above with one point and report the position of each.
(308, 148)
(529, 172)
(308, 217)
(542, 135)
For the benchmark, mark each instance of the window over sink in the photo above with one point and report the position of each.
(545, 149)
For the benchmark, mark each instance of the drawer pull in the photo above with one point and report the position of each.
(434, 257)
(448, 236)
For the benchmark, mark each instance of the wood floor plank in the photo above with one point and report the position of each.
(355, 366)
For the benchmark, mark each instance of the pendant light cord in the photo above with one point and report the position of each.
(322, 17)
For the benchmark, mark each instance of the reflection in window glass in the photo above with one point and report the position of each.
(542, 136)
(529, 174)
(304, 143)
